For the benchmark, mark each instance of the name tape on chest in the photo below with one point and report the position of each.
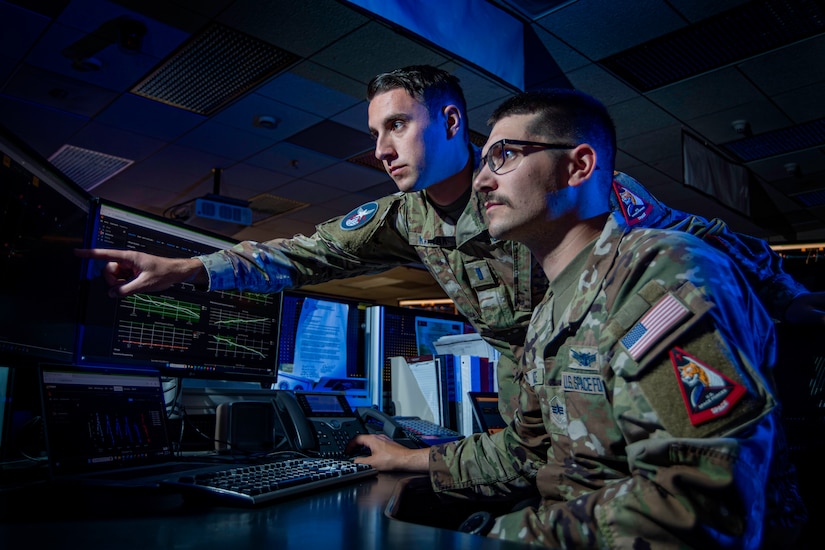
(582, 383)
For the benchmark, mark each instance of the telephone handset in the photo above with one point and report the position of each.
(410, 431)
(318, 423)
(378, 422)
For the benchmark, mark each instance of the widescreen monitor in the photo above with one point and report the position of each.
(321, 345)
(43, 217)
(182, 332)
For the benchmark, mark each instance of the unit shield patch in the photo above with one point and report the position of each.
(634, 209)
(708, 394)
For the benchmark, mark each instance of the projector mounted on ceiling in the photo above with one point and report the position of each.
(214, 212)
(223, 209)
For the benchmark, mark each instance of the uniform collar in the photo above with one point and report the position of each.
(598, 265)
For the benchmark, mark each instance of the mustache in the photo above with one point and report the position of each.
(493, 197)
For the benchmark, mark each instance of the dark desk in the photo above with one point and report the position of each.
(348, 516)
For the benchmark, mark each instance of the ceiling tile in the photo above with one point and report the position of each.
(333, 139)
(292, 160)
(300, 27)
(348, 177)
(243, 181)
(58, 91)
(788, 68)
(374, 48)
(243, 114)
(638, 116)
(226, 141)
(610, 26)
(704, 94)
(148, 117)
(308, 95)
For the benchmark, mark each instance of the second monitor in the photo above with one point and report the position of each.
(182, 332)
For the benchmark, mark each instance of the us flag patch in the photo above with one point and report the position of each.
(658, 321)
(708, 394)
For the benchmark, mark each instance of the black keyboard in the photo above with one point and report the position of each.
(253, 485)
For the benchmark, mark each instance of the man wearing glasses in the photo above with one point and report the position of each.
(418, 118)
(666, 435)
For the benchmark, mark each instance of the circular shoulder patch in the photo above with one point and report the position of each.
(359, 217)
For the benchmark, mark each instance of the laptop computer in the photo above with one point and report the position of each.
(107, 427)
(485, 411)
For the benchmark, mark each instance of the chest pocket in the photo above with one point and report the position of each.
(480, 275)
(574, 394)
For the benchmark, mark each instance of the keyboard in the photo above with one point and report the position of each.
(257, 484)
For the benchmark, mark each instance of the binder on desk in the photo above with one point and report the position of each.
(436, 388)
(425, 386)
(474, 376)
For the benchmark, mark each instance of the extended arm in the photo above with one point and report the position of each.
(271, 266)
(127, 272)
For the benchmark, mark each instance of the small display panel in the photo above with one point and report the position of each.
(324, 404)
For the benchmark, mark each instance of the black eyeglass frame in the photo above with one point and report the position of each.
(490, 161)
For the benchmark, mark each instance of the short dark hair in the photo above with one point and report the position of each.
(430, 86)
(564, 114)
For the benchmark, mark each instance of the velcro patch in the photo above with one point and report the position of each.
(535, 377)
(656, 323)
(584, 358)
(359, 217)
(634, 209)
(708, 394)
(582, 383)
(558, 414)
(480, 275)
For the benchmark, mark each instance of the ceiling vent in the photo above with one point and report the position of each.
(770, 144)
(213, 68)
(88, 168)
(812, 198)
(743, 32)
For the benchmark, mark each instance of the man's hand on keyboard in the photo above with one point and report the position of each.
(387, 456)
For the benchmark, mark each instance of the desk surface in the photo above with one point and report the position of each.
(347, 516)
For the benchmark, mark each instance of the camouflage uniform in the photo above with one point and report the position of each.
(646, 419)
(494, 284)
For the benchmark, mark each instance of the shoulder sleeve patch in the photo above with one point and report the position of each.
(707, 393)
(633, 207)
(723, 403)
(359, 217)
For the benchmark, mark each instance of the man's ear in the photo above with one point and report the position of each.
(452, 119)
(582, 164)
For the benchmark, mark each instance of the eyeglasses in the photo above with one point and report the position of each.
(500, 153)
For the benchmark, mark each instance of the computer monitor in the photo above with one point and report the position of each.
(394, 331)
(182, 332)
(43, 217)
(321, 345)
